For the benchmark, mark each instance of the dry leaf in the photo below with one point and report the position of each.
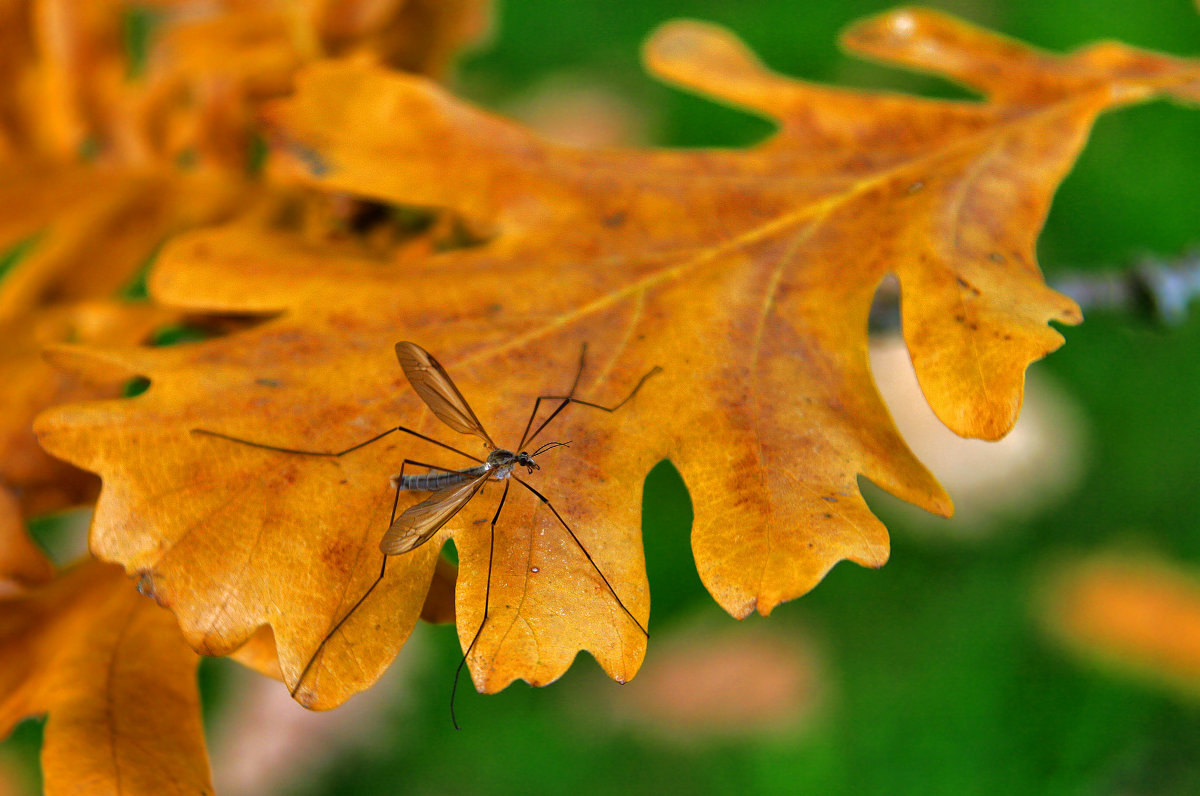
(249, 546)
(118, 683)
(747, 275)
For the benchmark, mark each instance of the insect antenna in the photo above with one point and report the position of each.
(487, 594)
(550, 446)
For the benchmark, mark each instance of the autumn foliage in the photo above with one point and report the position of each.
(745, 275)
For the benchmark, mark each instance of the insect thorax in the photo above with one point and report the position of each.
(502, 462)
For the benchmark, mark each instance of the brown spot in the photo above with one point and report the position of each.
(339, 554)
(614, 220)
(996, 257)
(829, 498)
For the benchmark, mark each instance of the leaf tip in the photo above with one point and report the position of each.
(695, 52)
(891, 27)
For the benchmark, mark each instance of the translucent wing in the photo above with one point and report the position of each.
(432, 383)
(415, 526)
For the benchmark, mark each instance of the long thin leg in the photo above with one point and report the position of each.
(382, 570)
(574, 384)
(569, 399)
(588, 555)
(329, 454)
(487, 595)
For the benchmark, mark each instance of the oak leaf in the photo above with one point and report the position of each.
(747, 275)
(115, 677)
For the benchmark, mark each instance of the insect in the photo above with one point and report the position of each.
(454, 489)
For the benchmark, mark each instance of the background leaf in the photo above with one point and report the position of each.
(116, 679)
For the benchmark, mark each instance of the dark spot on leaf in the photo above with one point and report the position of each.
(267, 382)
(916, 187)
(615, 219)
(829, 498)
(996, 257)
(339, 553)
(828, 516)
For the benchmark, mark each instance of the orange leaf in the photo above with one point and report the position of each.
(20, 559)
(414, 35)
(117, 681)
(226, 520)
(747, 276)
(1142, 615)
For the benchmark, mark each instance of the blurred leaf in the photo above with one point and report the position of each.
(1130, 612)
(20, 559)
(115, 677)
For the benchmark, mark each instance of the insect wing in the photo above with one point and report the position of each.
(433, 384)
(418, 523)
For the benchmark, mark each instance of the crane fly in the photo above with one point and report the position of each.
(453, 489)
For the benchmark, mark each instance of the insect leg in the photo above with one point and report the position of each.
(571, 399)
(588, 555)
(538, 402)
(382, 570)
(487, 594)
(332, 454)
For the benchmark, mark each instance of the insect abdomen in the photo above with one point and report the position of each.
(432, 482)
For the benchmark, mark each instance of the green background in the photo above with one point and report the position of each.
(943, 682)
